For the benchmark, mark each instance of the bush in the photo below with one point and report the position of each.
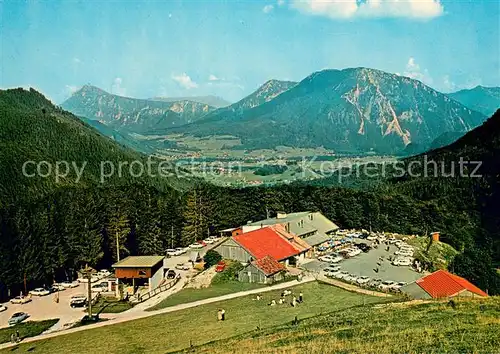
(229, 274)
(211, 258)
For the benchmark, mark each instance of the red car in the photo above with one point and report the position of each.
(203, 243)
(220, 267)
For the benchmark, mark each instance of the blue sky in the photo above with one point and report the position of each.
(229, 48)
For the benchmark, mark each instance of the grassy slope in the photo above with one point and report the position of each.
(191, 294)
(175, 331)
(440, 254)
(26, 329)
(470, 326)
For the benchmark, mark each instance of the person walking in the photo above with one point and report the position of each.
(223, 314)
(219, 315)
(294, 301)
(301, 297)
(18, 337)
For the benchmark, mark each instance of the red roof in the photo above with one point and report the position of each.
(444, 284)
(266, 242)
(268, 265)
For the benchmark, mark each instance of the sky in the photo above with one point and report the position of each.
(229, 48)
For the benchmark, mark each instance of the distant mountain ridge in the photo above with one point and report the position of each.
(130, 113)
(482, 99)
(355, 110)
(213, 101)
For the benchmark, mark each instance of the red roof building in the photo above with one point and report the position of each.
(443, 284)
(266, 242)
(268, 265)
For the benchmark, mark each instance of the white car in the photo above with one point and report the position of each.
(327, 258)
(354, 252)
(393, 240)
(3, 308)
(330, 270)
(397, 286)
(100, 287)
(341, 275)
(386, 285)
(180, 250)
(39, 292)
(209, 241)
(20, 300)
(404, 253)
(336, 259)
(371, 238)
(351, 278)
(402, 262)
(104, 273)
(363, 280)
(171, 252)
(196, 246)
(69, 284)
(93, 279)
(58, 287)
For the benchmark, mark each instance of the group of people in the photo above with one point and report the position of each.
(15, 337)
(282, 300)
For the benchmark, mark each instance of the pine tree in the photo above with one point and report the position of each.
(118, 229)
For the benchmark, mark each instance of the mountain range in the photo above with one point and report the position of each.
(213, 101)
(482, 99)
(132, 114)
(357, 110)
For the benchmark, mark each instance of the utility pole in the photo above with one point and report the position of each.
(25, 287)
(117, 248)
(172, 238)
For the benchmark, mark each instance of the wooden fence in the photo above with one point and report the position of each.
(156, 291)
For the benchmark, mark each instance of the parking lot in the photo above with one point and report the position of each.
(44, 307)
(365, 264)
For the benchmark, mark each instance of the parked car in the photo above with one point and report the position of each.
(196, 246)
(93, 279)
(353, 252)
(327, 258)
(363, 280)
(342, 274)
(397, 286)
(181, 250)
(363, 247)
(58, 287)
(20, 300)
(336, 258)
(374, 282)
(18, 317)
(3, 308)
(371, 237)
(182, 266)
(392, 240)
(40, 292)
(79, 300)
(351, 278)
(208, 241)
(402, 262)
(70, 284)
(171, 274)
(220, 267)
(100, 287)
(171, 252)
(386, 285)
(103, 273)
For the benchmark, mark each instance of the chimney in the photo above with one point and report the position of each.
(435, 236)
(280, 215)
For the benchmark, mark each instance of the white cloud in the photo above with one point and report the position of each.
(184, 81)
(281, 2)
(344, 9)
(212, 77)
(450, 85)
(117, 87)
(77, 61)
(268, 8)
(414, 71)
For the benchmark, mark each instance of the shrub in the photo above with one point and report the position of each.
(211, 258)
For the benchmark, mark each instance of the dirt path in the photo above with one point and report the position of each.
(129, 316)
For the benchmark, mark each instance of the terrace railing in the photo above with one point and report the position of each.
(156, 291)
